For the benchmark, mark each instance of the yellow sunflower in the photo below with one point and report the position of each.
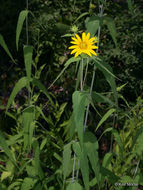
(83, 45)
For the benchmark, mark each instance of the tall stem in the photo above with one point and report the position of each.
(94, 69)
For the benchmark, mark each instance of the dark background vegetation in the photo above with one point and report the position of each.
(51, 20)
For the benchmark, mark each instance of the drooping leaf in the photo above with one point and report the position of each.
(3, 44)
(28, 51)
(105, 117)
(66, 159)
(19, 85)
(22, 16)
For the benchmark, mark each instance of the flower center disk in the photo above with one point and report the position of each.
(83, 45)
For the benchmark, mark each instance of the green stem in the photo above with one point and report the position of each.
(85, 72)
(81, 75)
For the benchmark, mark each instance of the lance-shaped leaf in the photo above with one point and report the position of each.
(28, 51)
(3, 44)
(22, 16)
(105, 117)
(19, 85)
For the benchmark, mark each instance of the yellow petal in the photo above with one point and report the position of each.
(94, 47)
(92, 39)
(77, 53)
(88, 36)
(78, 38)
(73, 47)
(73, 51)
(83, 36)
(88, 53)
(74, 39)
(74, 42)
(93, 52)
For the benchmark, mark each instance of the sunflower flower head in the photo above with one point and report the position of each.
(84, 45)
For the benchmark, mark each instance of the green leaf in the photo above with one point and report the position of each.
(3, 44)
(111, 27)
(37, 167)
(111, 177)
(104, 118)
(74, 186)
(79, 104)
(98, 97)
(92, 24)
(6, 149)
(22, 16)
(118, 140)
(90, 147)
(19, 85)
(105, 131)
(66, 159)
(37, 83)
(28, 116)
(84, 167)
(107, 159)
(28, 51)
(5, 175)
(28, 183)
(138, 141)
(82, 15)
(108, 73)
(71, 60)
